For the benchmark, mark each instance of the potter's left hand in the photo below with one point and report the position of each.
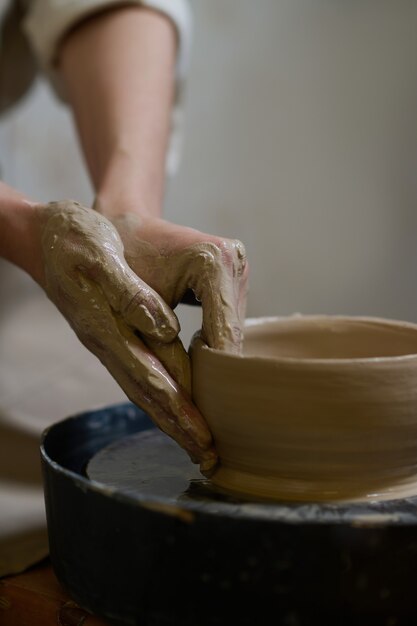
(120, 319)
(173, 259)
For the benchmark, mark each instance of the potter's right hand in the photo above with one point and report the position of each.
(114, 314)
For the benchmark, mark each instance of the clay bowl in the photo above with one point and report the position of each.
(317, 408)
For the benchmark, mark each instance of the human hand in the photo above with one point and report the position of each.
(173, 259)
(122, 320)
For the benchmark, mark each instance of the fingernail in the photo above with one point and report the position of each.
(208, 467)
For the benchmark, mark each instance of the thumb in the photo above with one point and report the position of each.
(138, 304)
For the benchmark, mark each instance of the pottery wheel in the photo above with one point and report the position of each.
(138, 536)
(151, 465)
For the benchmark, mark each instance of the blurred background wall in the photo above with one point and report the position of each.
(300, 139)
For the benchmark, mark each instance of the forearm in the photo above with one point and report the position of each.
(118, 69)
(18, 223)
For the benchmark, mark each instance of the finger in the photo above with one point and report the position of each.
(174, 358)
(137, 303)
(219, 277)
(242, 294)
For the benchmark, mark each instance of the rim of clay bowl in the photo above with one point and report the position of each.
(372, 320)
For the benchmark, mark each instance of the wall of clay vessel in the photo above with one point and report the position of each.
(300, 139)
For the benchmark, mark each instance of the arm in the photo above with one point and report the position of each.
(118, 69)
(18, 224)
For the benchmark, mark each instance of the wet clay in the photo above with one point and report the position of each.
(317, 408)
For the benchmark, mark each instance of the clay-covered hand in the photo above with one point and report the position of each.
(122, 320)
(174, 259)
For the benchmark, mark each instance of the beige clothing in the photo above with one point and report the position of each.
(46, 374)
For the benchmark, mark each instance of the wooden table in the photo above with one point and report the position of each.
(35, 598)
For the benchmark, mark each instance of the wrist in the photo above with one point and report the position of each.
(126, 188)
(20, 232)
